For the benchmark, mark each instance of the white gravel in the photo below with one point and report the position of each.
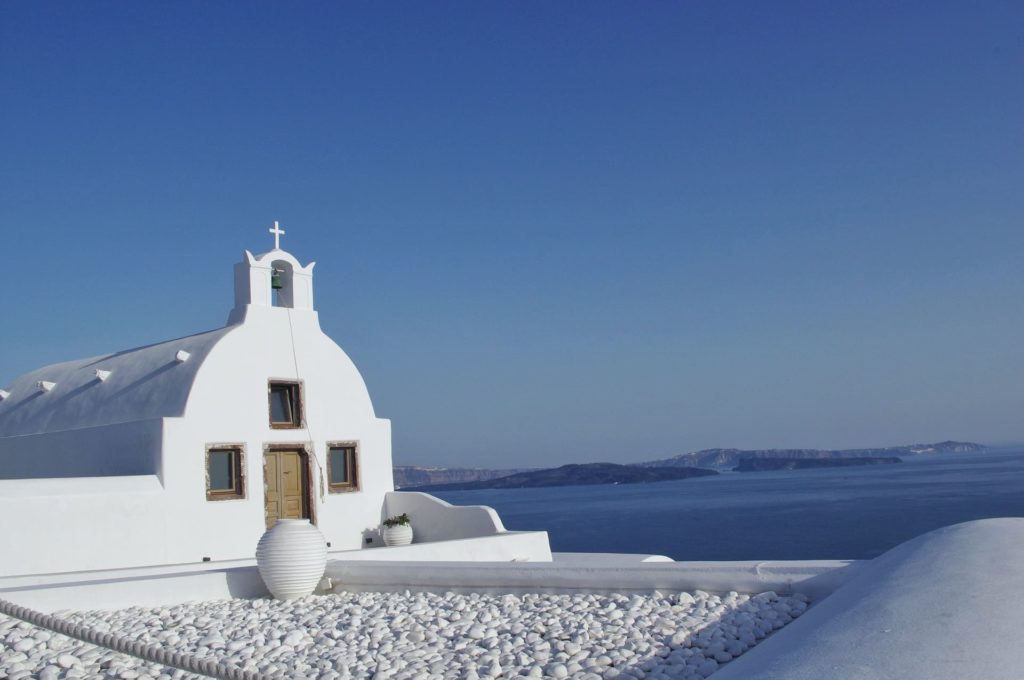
(30, 652)
(420, 635)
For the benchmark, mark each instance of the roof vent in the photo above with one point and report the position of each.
(182, 356)
(102, 375)
(45, 385)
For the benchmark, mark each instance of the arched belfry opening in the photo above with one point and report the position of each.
(273, 279)
(282, 289)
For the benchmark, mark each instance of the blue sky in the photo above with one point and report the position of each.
(545, 232)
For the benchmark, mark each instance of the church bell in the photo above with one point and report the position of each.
(275, 280)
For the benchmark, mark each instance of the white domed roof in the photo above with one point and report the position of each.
(147, 382)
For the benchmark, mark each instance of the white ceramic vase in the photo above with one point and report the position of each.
(291, 558)
(397, 535)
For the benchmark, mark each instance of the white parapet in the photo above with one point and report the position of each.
(506, 547)
(436, 520)
(590, 572)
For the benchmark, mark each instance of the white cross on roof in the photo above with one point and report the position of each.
(276, 231)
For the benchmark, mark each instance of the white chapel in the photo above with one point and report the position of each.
(188, 450)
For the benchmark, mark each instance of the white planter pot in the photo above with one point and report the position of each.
(397, 535)
(291, 558)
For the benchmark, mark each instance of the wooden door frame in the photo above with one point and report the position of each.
(306, 455)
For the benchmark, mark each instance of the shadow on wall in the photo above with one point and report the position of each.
(123, 450)
(144, 379)
(246, 583)
(372, 538)
(24, 402)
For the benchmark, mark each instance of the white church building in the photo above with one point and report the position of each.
(188, 450)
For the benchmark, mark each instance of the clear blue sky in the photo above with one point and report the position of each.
(546, 232)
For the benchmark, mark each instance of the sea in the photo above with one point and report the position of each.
(829, 513)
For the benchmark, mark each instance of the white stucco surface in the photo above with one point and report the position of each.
(433, 519)
(948, 604)
(144, 383)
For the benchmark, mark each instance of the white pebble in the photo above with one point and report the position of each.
(24, 644)
(558, 671)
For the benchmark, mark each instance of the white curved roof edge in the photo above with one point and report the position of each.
(142, 383)
(272, 256)
(949, 603)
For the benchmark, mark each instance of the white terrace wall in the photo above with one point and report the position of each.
(433, 519)
(84, 523)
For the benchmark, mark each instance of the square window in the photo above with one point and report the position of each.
(285, 405)
(224, 477)
(342, 473)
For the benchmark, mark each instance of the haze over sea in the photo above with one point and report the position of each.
(831, 513)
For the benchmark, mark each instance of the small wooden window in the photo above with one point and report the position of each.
(224, 473)
(285, 405)
(342, 468)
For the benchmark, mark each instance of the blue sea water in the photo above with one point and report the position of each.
(831, 513)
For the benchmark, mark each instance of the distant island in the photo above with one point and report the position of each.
(575, 475)
(694, 464)
(729, 459)
(770, 464)
(412, 475)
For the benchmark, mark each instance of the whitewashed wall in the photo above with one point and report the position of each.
(433, 519)
(58, 525)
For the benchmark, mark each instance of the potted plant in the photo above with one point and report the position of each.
(397, 530)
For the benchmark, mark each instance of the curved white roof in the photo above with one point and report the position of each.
(143, 383)
(947, 604)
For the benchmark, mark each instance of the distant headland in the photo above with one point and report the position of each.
(771, 464)
(728, 459)
(577, 475)
(694, 464)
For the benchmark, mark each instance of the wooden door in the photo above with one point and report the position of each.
(286, 485)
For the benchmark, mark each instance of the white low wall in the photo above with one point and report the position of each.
(433, 519)
(596, 573)
(510, 546)
(159, 591)
(177, 583)
(50, 524)
(121, 588)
